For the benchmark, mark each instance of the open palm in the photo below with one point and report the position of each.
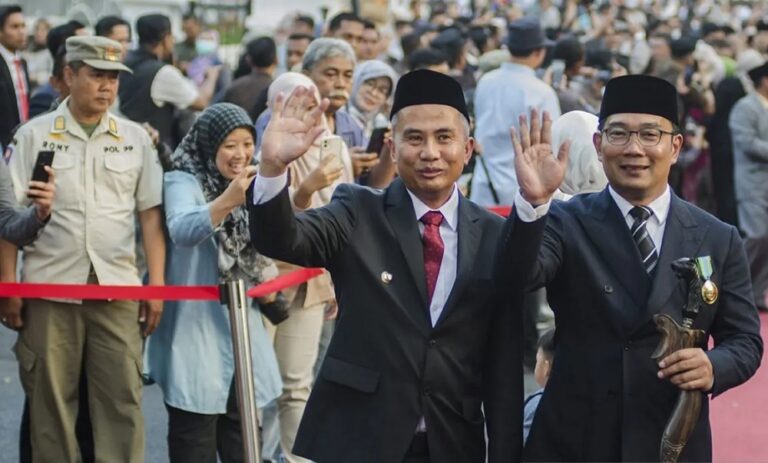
(539, 172)
(293, 127)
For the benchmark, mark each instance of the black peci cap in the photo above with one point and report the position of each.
(640, 94)
(428, 87)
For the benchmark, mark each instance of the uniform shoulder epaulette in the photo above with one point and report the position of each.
(59, 125)
(112, 127)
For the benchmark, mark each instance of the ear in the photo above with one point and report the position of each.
(597, 141)
(677, 145)
(469, 148)
(69, 75)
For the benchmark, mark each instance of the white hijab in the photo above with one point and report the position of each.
(585, 172)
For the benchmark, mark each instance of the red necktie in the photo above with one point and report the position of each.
(21, 91)
(433, 249)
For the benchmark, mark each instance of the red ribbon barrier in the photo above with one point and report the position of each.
(165, 293)
(284, 281)
(503, 211)
(144, 293)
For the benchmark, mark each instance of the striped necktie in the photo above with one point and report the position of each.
(642, 239)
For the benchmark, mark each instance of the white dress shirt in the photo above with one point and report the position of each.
(10, 58)
(658, 220)
(449, 233)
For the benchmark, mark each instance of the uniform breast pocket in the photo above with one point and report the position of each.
(68, 181)
(119, 177)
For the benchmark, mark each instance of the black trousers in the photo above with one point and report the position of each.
(196, 438)
(83, 429)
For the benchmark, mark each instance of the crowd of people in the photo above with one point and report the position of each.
(172, 166)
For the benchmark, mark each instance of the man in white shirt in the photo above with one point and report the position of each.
(501, 96)
(424, 345)
(156, 89)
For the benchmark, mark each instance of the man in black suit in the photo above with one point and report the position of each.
(14, 79)
(423, 339)
(605, 260)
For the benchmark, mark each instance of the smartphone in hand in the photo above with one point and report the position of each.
(44, 158)
(377, 140)
(331, 145)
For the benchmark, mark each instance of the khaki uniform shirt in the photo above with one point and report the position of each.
(101, 183)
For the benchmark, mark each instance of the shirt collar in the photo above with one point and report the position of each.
(518, 68)
(8, 54)
(450, 209)
(108, 123)
(659, 206)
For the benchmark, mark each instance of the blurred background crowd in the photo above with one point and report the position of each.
(508, 56)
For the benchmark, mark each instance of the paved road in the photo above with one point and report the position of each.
(12, 401)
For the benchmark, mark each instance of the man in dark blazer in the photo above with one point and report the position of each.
(749, 125)
(14, 78)
(605, 260)
(423, 340)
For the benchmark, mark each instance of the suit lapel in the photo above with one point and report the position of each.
(608, 230)
(682, 238)
(402, 218)
(5, 75)
(468, 243)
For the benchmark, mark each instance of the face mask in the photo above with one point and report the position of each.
(206, 47)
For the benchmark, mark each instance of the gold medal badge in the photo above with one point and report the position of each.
(709, 291)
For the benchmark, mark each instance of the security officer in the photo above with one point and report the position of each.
(107, 172)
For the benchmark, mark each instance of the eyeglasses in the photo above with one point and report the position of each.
(648, 137)
(383, 89)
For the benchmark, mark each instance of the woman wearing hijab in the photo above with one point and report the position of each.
(313, 178)
(372, 87)
(190, 355)
(585, 171)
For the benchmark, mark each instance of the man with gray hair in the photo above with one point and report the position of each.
(330, 63)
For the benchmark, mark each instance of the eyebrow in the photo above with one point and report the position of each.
(439, 130)
(645, 125)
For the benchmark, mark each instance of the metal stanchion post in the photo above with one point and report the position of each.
(233, 294)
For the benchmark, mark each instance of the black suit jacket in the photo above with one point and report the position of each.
(386, 365)
(603, 401)
(10, 113)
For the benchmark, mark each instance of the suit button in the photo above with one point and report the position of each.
(432, 343)
(427, 391)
